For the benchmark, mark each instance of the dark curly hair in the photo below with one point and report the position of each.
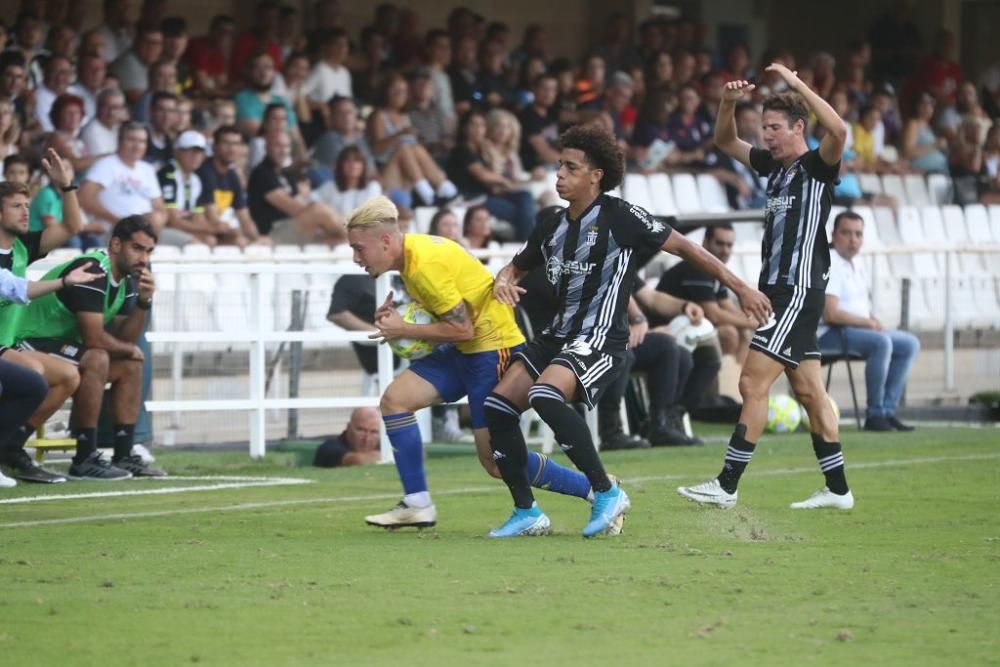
(601, 151)
(792, 105)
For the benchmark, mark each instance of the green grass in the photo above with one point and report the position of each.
(291, 575)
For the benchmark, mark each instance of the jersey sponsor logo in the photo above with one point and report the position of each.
(555, 268)
(779, 204)
(652, 224)
(771, 321)
(759, 338)
(498, 455)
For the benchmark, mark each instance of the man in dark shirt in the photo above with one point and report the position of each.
(357, 445)
(222, 195)
(352, 307)
(686, 282)
(276, 208)
(540, 125)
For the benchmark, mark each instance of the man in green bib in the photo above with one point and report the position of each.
(18, 249)
(96, 325)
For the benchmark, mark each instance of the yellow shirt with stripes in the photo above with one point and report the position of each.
(439, 274)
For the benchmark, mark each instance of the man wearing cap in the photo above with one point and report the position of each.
(181, 188)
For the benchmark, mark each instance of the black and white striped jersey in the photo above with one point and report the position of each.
(591, 263)
(795, 251)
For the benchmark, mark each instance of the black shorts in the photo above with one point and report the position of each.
(71, 352)
(790, 335)
(595, 371)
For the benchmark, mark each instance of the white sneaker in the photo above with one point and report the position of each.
(143, 453)
(6, 482)
(403, 516)
(709, 493)
(825, 498)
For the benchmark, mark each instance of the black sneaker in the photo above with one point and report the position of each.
(23, 468)
(900, 426)
(96, 468)
(878, 424)
(135, 465)
(619, 440)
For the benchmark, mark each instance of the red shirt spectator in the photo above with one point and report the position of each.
(263, 38)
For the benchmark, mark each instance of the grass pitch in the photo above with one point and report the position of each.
(290, 575)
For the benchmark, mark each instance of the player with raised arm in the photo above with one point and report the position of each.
(590, 252)
(794, 272)
(476, 336)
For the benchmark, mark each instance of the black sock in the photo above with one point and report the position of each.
(571, 433)
(15, 443)
(831, 462)
(124, 437)
(86, 443)
(509, 450)
(737, 459)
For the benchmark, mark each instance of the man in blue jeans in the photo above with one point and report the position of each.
(888, 354)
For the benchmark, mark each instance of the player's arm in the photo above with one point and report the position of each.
(347, 320)
(725, 123)
(60, 175)
(832, 145)
(754, 303)
(129, 328)
(505, 285)
(453, 326)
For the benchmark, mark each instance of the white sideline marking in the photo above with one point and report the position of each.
(891, 463)
(226, 482)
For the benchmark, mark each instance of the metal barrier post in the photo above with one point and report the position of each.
(949, 325)
(295, 361)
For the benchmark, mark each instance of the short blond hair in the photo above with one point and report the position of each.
(375, 211)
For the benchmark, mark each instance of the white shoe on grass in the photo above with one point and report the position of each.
(825, 498)
(709, 493)
(143, 452)
(6, 482)
(404, 516)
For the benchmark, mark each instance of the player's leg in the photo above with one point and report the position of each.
(481, 372)
(125, 376)
(95, 367)
(23, 390)
(759, 373)
(807, 383)
(502, 410)
(558, 383)
(434, 379)
(61, 380)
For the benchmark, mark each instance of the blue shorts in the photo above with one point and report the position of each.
(455, 374)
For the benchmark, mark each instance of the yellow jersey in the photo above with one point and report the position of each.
(439, 274)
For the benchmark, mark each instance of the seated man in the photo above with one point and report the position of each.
(357, 445)
(275, 205)
(96, 325)
(848, 315)
(182, 190)
(687, 283)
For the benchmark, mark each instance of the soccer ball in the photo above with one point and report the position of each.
(833, 404)
(412, 348)
(783, 414)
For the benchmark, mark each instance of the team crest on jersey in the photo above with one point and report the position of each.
(591, 236)
(792, 173)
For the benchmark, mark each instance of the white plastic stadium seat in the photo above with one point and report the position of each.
(917, 193)
(933, 224)
(893, 185)
(978, 224)
(422, 218)
(958, 234)
(662, 193)
(870, 183)
(939, 187)
(886, 299)
(686, 194)
(712, 194)
(995, 222)
(637, 191)
(197, 250)
(926, 304)
(984, 289)
(885, 222)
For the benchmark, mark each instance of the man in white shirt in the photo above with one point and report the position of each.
(848, 316)
(100, 135)
(90, 74)
(123, 184)
(58, 74)
(329, 77)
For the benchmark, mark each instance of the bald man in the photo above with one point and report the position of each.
(357, 445)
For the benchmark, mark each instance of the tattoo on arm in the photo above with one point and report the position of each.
(457, 315)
